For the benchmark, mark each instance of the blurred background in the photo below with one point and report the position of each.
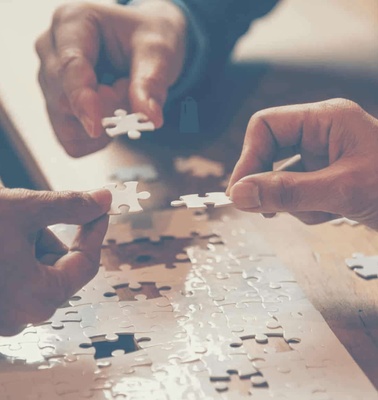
(339, 35)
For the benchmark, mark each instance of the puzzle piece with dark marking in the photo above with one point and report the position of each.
(216, 199)
(124, 123)
(364, 266)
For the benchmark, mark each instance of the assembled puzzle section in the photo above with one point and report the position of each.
(227, 309)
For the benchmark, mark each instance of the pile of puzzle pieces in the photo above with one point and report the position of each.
(225, 308)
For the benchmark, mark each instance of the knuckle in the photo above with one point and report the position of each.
(67, 57)
(257, 120)
(349, 191)
(68, 203)
(285, 192)
(40, 45)
(342, 106)
(41, 79)
(259, 123)
(75, 199)
(15, 201)
(69, 12)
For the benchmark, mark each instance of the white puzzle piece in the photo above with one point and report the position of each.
(364, 266)
(216, 199)
(126, 195)
(199, 167)
(124, 123)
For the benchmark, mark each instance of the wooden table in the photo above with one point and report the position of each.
(314, 254)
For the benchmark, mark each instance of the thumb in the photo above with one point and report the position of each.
(272, 192)
(78, 266)
(149, 81)
(76, 208)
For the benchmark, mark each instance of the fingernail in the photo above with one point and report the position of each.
(102, 197)
(268, 215)
(245, 195)
(88, 125)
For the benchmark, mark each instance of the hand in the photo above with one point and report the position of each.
(336, 175)
(143, 46)
(31, 290)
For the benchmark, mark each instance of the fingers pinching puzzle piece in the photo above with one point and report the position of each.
(124, 123)
(126, 195)
(217, 199)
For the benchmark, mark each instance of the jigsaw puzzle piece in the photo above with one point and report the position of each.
(143, 172)
(97, 290)
(126, 195)
(199, 167)
(61, 316)
(145, 306)
(216, 199)
(68, 343)
(124, 123)
(103, 319)
(253, 321)
(288, 377)
(364, 266)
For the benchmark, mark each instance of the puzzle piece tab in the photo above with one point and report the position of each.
(217, 199)
(126, 196)
(124, 123)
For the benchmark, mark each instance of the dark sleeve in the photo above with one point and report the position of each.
(214, 26)
(224, 21)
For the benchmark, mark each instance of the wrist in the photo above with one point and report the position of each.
(165, 9)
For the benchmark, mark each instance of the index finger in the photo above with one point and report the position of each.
(274, 129)
(76, 42)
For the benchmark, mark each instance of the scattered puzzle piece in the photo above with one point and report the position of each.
(126, 195)
(341, 221)
(146, 173)
(124, 123)
(199, 167)
(364, 266)
(217, 199)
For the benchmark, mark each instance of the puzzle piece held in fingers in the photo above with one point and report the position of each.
(126, 195)
(124, 123)
(216, 199)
